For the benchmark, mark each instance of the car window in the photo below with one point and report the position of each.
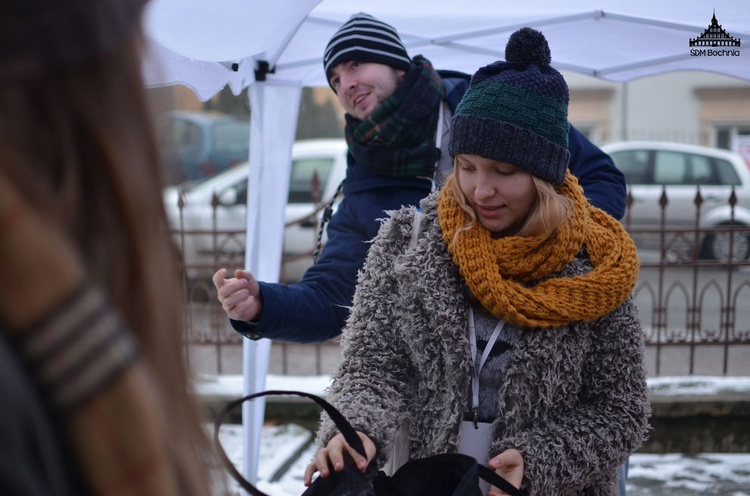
(185, 135)
(671, 168)
(679, 168)
(700, 170)
(725, 173)
(232, 137)
(241, 188)
(633, 164)
(301, 180)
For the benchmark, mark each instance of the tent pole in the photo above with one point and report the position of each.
(624, 111)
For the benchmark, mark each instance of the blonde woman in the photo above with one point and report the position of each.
(498, 321)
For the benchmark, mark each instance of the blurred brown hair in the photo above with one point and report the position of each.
(78, 144)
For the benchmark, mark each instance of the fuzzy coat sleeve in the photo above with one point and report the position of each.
(375, 378)
(573, 450)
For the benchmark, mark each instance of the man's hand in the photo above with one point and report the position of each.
(509, 465)
(240, 295)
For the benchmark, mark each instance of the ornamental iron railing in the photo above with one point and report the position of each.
(693, 296)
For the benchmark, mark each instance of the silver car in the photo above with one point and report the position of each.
(661, 171)
(211, 233)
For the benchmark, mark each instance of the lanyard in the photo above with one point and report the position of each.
(477, 368)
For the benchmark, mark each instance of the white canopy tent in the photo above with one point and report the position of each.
(616, 40)
(275, 47)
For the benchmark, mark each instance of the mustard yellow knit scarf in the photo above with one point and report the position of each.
(499, 271)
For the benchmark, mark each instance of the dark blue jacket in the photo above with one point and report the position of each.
(315, 309)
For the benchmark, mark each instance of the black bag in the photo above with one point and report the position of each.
(450, 474)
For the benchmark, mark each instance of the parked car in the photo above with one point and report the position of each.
(203, 252)
(652, 168)
(198, 145)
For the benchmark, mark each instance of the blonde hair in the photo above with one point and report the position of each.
(79, 146)
(550, 211)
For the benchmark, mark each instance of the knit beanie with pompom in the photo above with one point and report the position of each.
(517, 111)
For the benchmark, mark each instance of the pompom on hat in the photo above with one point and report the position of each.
(517, 111)
(365, 39)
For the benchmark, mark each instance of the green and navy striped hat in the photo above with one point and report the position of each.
(517, 111)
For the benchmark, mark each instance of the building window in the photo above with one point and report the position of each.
(589, 130)
(727, 137)
(735, 138)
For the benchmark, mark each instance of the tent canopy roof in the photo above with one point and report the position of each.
(198, 42)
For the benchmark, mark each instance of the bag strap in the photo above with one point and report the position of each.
(341, 423)
(498, 481)
(327, 214)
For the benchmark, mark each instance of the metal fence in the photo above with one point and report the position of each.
(695, 311)
(694, 305)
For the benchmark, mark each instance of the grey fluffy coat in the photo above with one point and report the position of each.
(574, 402)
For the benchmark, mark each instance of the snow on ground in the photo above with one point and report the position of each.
(723, 474)
(231, 385)
(650, 475)
(696, 385)
(693, 385)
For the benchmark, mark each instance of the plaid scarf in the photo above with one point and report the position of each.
(398, 139)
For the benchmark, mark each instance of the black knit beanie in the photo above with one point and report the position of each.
(42, 36)
(365, 39)
(517, 111)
